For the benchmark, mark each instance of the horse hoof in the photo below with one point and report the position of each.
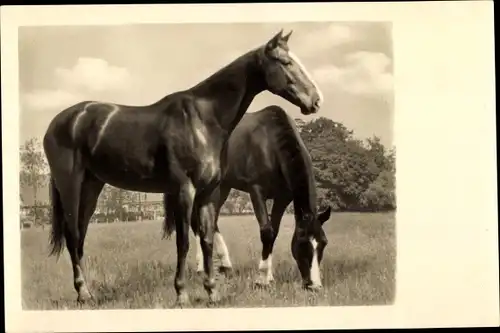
(182, 301)
(226, 270)
(313, 288)
(263, 282)
(214, 297)
(262, 285)
(84, 296)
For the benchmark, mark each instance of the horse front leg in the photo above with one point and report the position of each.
(207, 231)
(277, 211)
(180, 207)
(266, 236)
(220, 246)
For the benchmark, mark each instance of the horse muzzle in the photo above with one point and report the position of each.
(313, 108)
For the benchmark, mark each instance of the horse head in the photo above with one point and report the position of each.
(287, 77)
(308, 244)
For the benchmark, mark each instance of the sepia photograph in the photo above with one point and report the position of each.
(222, 164)
(124, 135)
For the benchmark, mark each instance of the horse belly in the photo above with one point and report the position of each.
(132, 181)
(134, 173)
(245, 174)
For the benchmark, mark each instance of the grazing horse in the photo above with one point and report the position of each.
(268, 159)
(175, 146)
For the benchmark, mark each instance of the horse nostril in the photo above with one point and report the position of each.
(317, 104)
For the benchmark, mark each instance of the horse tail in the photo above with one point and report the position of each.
(169, 223)
(57, 231)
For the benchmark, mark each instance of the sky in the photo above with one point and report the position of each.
(138, 64)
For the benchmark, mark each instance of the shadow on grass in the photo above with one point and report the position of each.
(153, 279)
(140, 279)
(141, 285)
(332, 270)
(339, 270)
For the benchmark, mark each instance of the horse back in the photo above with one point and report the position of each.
(136, 142)
(264, 150)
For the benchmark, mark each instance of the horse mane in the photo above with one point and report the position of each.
(295, 160)
(223, 70)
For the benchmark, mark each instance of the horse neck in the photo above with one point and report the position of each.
(297, 168)
(303, 183)
(304, 197)
(233, 88)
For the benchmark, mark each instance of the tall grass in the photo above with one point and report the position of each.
(128, 265)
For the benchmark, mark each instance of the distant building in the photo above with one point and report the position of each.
(43, 194)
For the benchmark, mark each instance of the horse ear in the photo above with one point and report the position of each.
(287, 37)
(324, 215)
(273, 42)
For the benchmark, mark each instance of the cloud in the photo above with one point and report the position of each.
(364, 73)
(89, 78)
(327, 37)
(338, 33)
(94, 74)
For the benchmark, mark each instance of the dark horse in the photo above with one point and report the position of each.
(176, 146)
(268, 159)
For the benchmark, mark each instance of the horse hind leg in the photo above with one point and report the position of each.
(90, 190)
(68, 176)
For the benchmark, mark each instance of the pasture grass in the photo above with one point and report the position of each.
(129, 266)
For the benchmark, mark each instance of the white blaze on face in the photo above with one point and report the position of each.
(307, 74)
(315, 275)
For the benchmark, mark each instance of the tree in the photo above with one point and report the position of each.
(380, 195)
(236, 201)
(300, 124)
(114, 200)
(346, 167)
(33, 167)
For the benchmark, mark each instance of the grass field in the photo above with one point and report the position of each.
(128, 265)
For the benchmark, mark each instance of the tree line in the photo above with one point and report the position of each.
(351, 175)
